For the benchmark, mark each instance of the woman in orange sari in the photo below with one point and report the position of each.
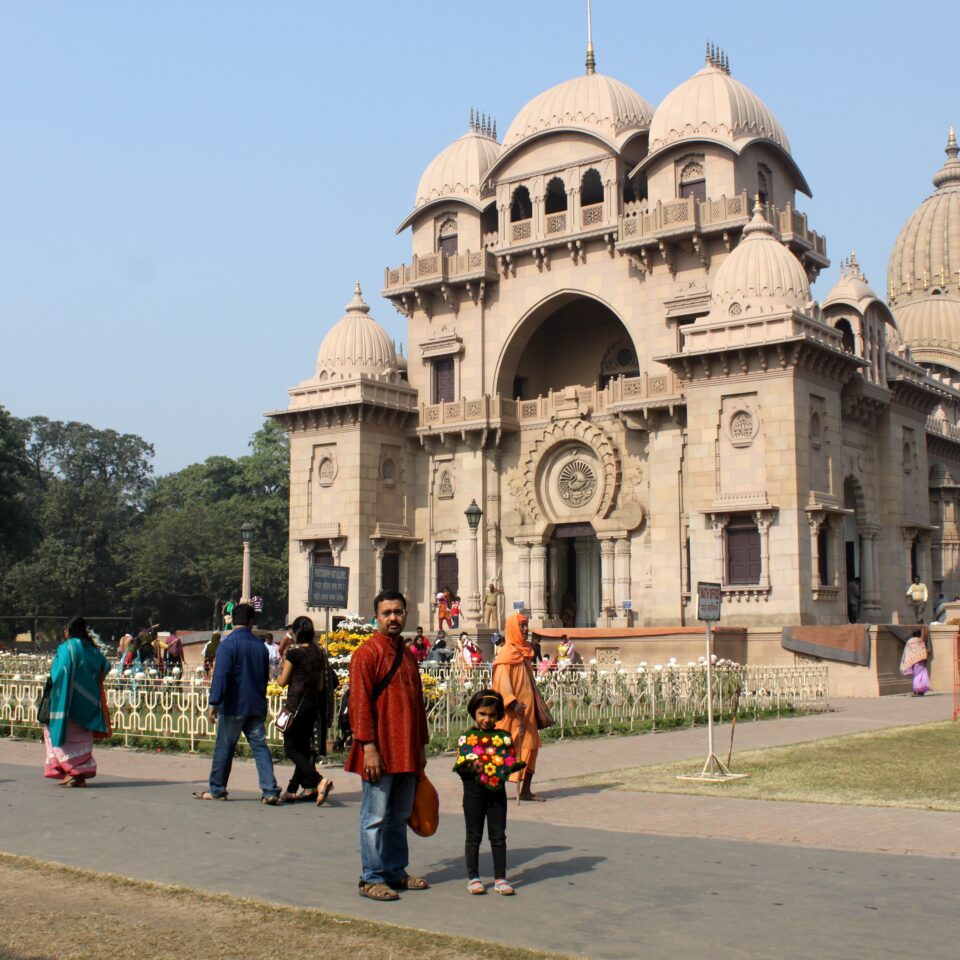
(513, 680)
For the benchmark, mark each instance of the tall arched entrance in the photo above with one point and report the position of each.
(570, 525)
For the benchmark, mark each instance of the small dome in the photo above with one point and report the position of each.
(460, 170)
(926, 257)
(852, 287)
(760, 275)
(931, 324)
(357, 345)
(592, 103)
(712, 105)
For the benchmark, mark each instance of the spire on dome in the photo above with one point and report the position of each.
(949, 173)
(717, 59)
(851, 268)
(591, 59)
(759, 222)
(357, 304)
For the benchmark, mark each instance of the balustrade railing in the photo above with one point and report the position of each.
(614, 698)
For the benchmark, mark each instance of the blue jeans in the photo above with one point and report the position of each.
(384, 809)
(228, 734)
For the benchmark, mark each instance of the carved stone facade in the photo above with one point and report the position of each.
(615, 351)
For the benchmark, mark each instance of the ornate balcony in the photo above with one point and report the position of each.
(666, 222)
(434, 271)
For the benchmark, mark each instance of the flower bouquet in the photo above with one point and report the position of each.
(489, 757)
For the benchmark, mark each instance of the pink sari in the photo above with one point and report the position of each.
(74, 758)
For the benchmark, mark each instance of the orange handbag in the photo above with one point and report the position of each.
(425, 817)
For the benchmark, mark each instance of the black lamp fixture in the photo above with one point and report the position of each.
(246, 531)
(473, 514)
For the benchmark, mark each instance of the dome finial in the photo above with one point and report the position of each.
(949, 173)
(357, 304)
(473, 127)
(759, 222)
(591, 59)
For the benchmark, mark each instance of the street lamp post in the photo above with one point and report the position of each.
(246, 532)
(473, 514)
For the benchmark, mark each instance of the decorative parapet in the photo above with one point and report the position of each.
(434, 269)
(622, 395)
(671, 219)
(746, 330)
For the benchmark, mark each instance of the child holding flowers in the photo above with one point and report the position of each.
(485, 758)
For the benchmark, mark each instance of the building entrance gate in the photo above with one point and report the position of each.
(574, 575)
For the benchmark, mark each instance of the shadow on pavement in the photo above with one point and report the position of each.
(557, 869)
(453, 868)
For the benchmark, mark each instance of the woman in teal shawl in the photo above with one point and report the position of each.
(77, 708)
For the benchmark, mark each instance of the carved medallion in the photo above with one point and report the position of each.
(577, 483)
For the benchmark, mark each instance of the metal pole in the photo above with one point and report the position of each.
(709, 691)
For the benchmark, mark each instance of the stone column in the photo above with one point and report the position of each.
(621, 553)
(815, 520)
(719, 523)
(524, 578)
(763, 526)
(555, 580)
(538, 581)
(406, 586)
(379, 546)
(870, 606)
(607, 576)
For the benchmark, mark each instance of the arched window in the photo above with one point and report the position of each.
(635, 188)
(763, 185)
(556, 198)
(447, 236)
(847, 339)
(520, 206)
(591, 188)
(693, 182)
(489, 224)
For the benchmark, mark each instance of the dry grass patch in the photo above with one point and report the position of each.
(900, 767)
(52, 912)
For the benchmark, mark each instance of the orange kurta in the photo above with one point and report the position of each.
(513, 680)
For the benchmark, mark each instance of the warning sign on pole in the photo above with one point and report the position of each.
(709, 596)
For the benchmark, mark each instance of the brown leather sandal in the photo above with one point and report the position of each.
(376, 891)
(411, 883)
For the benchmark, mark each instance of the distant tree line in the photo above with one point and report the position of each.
(86, 528)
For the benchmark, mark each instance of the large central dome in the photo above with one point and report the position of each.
(593, 103)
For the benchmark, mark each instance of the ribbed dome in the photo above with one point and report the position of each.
(356, 345)
(761, 275)
(593, 103)
(931, 323)
(926, 255)
(459, 170)
(712, 104)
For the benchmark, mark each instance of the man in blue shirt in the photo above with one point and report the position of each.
(238, 704)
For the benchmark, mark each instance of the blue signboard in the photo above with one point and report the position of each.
(518, 604)
(328, 586)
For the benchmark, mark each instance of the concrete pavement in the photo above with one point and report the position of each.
(600, 873)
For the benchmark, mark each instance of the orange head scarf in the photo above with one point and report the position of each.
(514, 648)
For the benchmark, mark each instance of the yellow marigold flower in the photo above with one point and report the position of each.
(498, 741)
(490, 769)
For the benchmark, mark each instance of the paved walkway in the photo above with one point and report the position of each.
(600, 873)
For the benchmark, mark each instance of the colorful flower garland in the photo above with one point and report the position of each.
(488, 757)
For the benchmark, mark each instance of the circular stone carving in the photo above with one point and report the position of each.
(577, 483)
(741, 426)
(327, 471)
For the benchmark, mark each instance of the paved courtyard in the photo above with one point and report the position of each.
(600, 873)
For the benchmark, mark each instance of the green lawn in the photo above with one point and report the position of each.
(901, 767)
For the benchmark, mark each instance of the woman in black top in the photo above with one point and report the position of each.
(303, 673)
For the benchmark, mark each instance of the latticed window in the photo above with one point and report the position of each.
(693, 182)
(447, 237)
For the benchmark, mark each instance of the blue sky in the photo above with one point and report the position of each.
(190, 188)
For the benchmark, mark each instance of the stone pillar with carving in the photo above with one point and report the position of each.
(815, 520)
(523, 584)
(870, 605)
(719, 523)
(622, 586)
(406, 568)
(538, 582)
(607, 576)
(379, 547)
(337, 545)
(553, 603)
(762, 521)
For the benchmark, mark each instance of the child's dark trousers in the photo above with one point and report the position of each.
(479, 805)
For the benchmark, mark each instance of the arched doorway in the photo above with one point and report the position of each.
(575, 554)
(571, 339)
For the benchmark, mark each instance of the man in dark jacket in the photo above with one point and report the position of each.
(238, 704)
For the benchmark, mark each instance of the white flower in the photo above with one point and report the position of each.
(713, 658)
(603, 673)
(617, 663)
(659, 667)
(672, 661)
(641, 669)
(643, 663)
(467, 684)
(690, 663)
(593, 661)
(621, 671)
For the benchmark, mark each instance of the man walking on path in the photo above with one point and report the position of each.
(238, 704)
(390, 734)
(917, 595)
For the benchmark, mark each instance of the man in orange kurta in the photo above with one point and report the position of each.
(513, 680)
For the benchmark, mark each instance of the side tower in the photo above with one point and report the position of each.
(351, 470)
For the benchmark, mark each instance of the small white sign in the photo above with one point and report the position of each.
(709, 596)
(627, 604)
(518, 604)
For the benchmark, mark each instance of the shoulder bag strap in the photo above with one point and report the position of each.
(383, 683)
